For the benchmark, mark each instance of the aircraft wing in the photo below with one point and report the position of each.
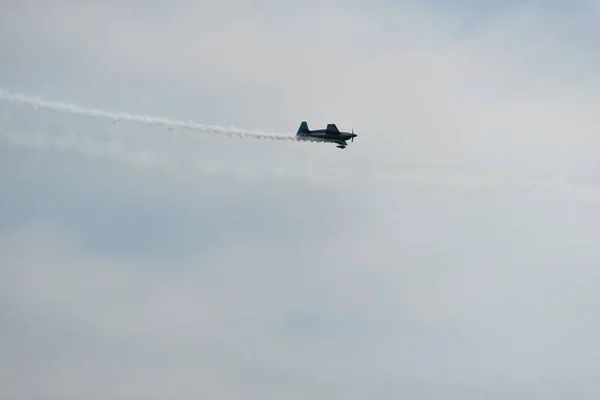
(331, 128)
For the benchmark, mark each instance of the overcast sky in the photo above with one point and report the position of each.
(450, 252)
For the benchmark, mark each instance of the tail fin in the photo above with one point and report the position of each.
(302, 129)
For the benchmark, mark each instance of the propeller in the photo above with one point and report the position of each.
(352, 140)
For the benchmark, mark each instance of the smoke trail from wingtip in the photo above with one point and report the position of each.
(74, 109)
(163, 163)
(177, 167)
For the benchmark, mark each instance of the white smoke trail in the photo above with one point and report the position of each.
(177, 168)
(62, 107)
(173, 167)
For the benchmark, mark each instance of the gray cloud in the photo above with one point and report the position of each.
(502, 93)
(126, 276)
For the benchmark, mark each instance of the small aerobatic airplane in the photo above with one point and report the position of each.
(329, 134)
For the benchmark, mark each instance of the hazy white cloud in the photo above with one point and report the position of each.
(423, 295)
(414, 84)
(128, 269)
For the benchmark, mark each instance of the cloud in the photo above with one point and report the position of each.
(416, 86)
(411, 291)
(429, 299)
(128, 270)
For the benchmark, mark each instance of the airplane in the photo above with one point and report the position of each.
(330, 134)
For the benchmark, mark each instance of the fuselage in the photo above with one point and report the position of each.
(322, 135)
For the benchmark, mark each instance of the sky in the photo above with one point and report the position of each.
(447, 253)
